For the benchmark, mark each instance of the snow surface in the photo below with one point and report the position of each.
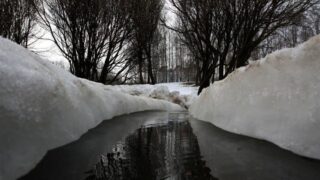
(276, 98)
(178, 93)
(43, 107)
(182, 88)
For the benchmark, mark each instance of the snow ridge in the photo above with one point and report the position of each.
(43, 107)
(276, 98)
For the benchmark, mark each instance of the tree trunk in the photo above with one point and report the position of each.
(204, 83)
(140, 68)
(150, 73)
(221, 69)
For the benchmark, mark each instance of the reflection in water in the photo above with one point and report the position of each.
(160, 151)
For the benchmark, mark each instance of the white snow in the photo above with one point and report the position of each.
(276, 98)
(182, 88)
(43, 107)
(178, 93)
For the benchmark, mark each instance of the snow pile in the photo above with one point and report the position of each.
(43, 107)
(180, 93)
(161, 92)
(177, 93)
(182, 88)
(276, 98)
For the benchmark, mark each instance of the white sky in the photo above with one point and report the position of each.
(168, 10)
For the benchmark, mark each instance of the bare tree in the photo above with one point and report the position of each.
(222, 34)
(18, 20)
(90, 34)
(305, 26)
(145, 15)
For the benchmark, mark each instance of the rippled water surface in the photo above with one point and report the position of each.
(161, 145)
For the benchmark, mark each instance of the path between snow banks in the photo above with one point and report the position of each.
(43, 107)
(276, 98)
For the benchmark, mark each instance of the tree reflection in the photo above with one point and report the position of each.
(163, 151)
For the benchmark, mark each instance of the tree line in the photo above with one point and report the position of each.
(18, 20)
(117, 41)
(223, 34)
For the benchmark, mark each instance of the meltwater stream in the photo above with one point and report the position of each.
(162, 145)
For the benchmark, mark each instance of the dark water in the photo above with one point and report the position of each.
(161, 145)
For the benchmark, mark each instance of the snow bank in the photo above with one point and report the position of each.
(276, 98)
(43, 107)
(182, 88)
(178, 93)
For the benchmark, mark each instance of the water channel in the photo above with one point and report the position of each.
(162, 145)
